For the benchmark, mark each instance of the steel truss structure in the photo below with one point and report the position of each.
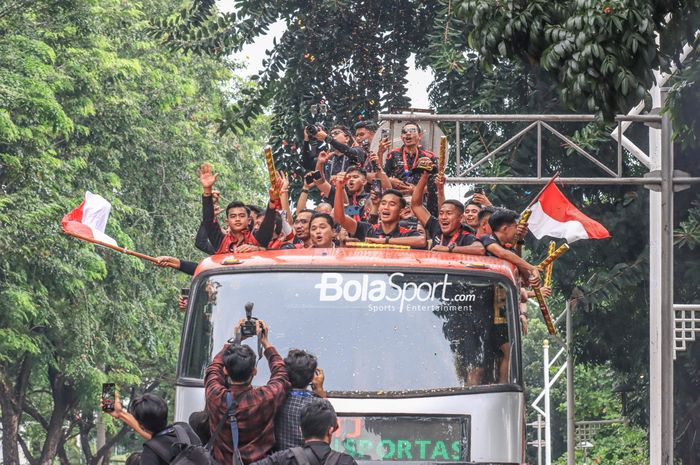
(670, 326)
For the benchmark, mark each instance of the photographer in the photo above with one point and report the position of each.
(342, 154)
(255, 407)
(318, 423)
(303, 371)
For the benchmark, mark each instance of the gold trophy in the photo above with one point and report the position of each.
(442, 155)
(553, 256)
(270, 162)
(545, 311)
(550, 267)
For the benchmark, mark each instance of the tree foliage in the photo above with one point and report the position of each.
(89, 102)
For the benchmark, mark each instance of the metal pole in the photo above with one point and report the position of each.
(570, 406)
(539, 439)
(668, 314)
(661, 313)
(547, 413)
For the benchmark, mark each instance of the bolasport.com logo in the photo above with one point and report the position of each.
(392, 295)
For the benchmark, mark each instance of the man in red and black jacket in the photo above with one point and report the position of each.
(446, 232)
(256, 407)
(239, 237)
(388, 230)
(401, 164)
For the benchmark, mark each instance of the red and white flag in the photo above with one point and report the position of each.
(88, 221)
(553, 215)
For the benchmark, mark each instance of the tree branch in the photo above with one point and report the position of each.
(25, 450)
(108, 445)
(34, 413)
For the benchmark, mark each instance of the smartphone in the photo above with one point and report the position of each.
(185, 292)
(316, 175)
(478, 190)
(309, 178)
(385, 133)
(108, 397)
(377, 187)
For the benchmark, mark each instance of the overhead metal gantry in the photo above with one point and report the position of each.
(667, 332)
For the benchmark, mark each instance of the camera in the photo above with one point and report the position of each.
(249, 327)
(312, 129)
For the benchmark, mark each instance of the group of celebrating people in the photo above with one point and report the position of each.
(391, 197)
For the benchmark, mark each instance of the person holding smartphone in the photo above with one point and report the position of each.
(148, 417)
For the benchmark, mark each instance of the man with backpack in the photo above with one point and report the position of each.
(165, 444)
(250, 412)
(318, 422)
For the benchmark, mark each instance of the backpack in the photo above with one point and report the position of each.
(187, 452)
(196, 454)
(307, 457)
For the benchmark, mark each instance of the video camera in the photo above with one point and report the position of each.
(250, 327)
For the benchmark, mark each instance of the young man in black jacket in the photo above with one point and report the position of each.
(318, 422)
(148, 416)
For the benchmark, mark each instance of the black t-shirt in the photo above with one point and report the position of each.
(462, 237)
(356, 208)
(489, 239)
(365, 230)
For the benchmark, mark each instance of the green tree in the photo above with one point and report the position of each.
(89, 102)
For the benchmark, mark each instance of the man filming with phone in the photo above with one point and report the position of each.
(228, 380)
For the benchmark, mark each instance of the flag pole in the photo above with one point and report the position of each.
(123, 250)
(556, 175)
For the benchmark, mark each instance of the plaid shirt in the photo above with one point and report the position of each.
(255, 413)
(288, 422)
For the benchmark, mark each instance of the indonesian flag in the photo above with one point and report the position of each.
(553, 215)
(88, 221)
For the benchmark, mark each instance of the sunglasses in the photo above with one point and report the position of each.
(337, 133)
(409, 131)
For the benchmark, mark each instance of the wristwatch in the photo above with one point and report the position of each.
(305, 191)
(451, 247)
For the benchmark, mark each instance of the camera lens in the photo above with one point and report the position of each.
(311, 129)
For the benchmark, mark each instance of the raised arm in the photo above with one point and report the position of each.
(277, 385)
(284, 195)
(417, 206)
(339, 215)
(128, 419)
(207, 179)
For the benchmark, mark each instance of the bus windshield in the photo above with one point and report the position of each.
(387, 333)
